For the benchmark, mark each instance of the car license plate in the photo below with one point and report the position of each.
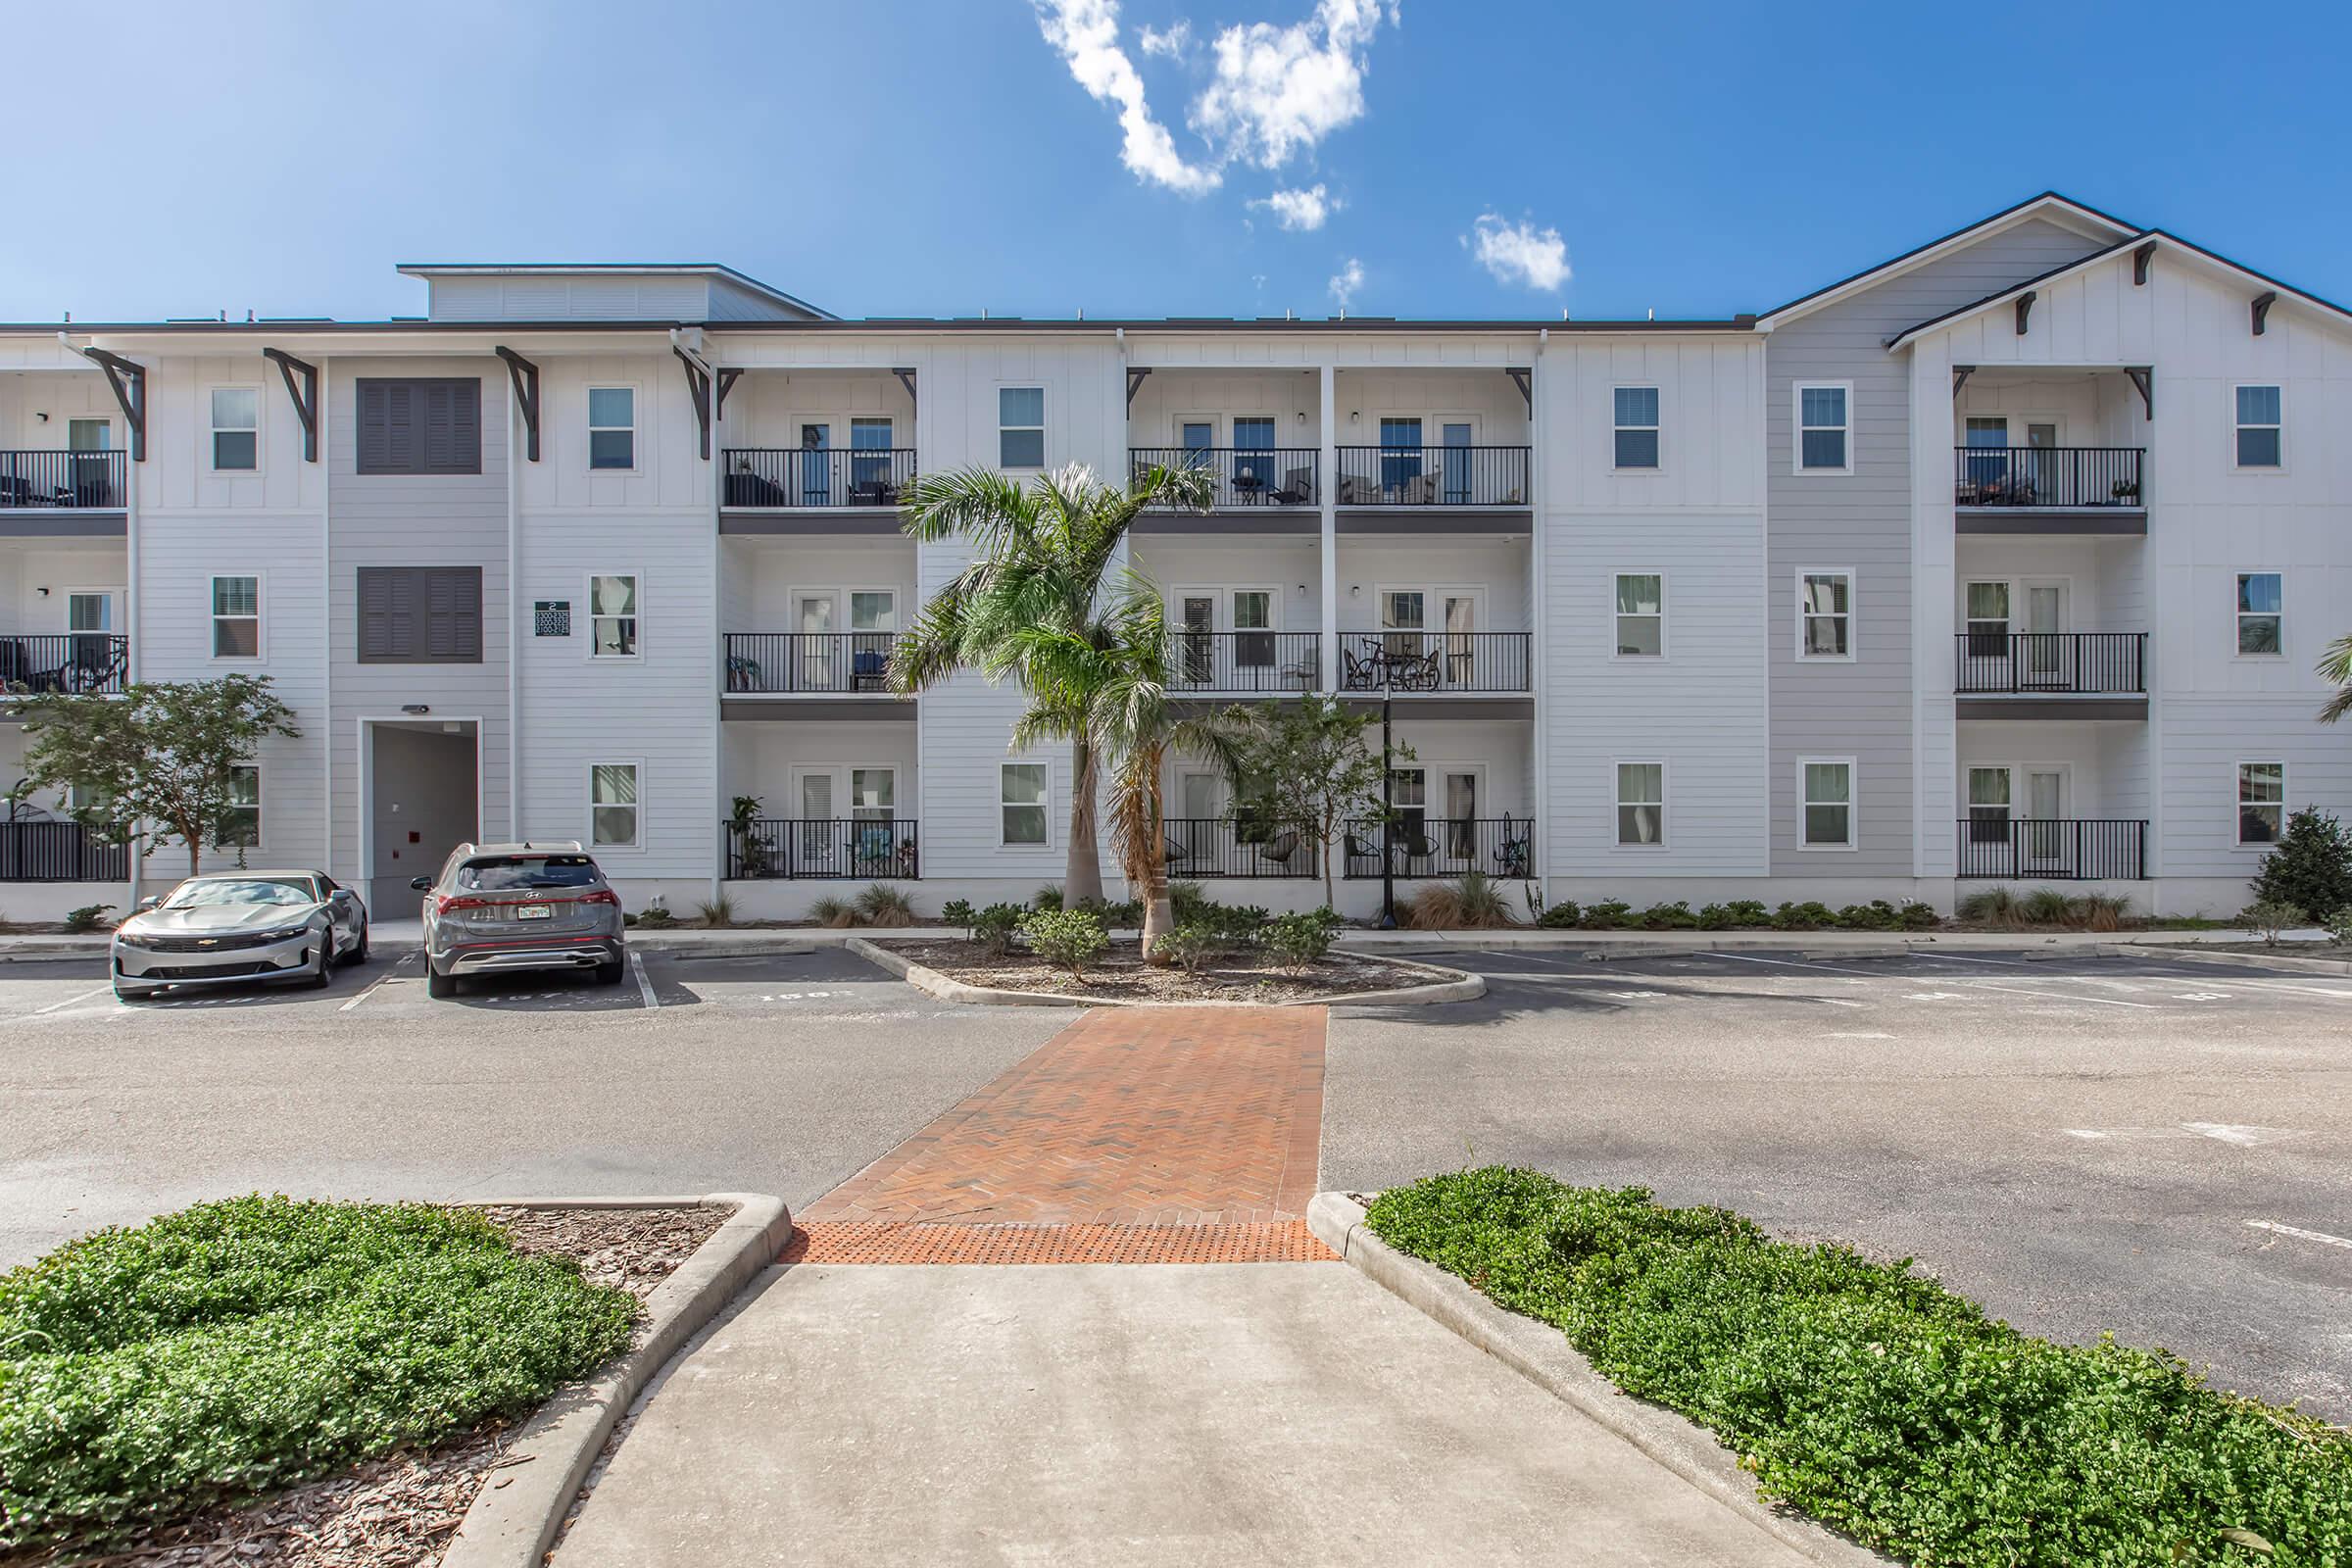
(532, 911)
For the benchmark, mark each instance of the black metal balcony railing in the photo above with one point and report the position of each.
(1419, 845)
(791, 478)
(63, 661)
(1241, 476)
(823, 849)
(1245, 660)
(2077, 662)
(842, 661)
(1212, 847)
(88, 479)
(1433, 476)
(2065, 848)
(2048, 476)
(59, 851)
(1433, 660)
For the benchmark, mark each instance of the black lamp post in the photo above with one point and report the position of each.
(1388, 815)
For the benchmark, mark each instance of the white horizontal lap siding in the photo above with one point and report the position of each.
(1700, 710)
(416, 520)
(765, 759)
(2203, 741)
(178, 475)
(557, 296)
(1374, 564)
(1863, 521)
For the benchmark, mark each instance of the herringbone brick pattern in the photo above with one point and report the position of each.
(866, 1242)
(1131, 1120)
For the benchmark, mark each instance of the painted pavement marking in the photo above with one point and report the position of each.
(2320, 1237)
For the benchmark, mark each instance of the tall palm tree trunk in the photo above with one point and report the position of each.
(1159, 912)
(1082, 869)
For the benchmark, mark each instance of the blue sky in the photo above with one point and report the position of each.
(935, 157)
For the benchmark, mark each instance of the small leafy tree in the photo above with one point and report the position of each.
(1070, 938)
(158, 762)
(2310, 867)
(1314, 768)
(2267, 917)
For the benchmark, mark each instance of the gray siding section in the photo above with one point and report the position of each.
(416, 520)
(1862, 521)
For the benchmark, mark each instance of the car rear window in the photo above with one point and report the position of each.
(506, 873)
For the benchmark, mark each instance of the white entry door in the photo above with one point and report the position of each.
(2045, 834)
(1461, 640)
(813, 789)
(2047, 661)
(90, 626)
(813, 618)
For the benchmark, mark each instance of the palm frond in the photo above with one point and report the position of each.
(2335, 668)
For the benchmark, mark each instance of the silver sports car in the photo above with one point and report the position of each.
(228, 926)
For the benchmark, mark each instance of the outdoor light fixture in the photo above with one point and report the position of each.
(416, 707)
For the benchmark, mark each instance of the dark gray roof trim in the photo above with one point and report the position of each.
(2010, 211)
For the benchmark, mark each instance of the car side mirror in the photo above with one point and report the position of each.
(150, 901)
(422, 884)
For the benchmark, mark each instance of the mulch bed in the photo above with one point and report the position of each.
(1119, 975)
(399, 1511)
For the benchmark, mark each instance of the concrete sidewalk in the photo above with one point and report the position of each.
(1181, 1415)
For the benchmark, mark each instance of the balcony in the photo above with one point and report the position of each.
(65, 661)
(59, 851)
(82, 481)
(1210, 849)
(816, 478)
(1240, 477)
(2022, 674)
(2027, 489)
(833, 664)
(2063, 849)
(1441, 661)
(1433, 478)
(823, 849)
(1245, 661)
(1421, 847)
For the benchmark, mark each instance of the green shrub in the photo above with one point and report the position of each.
(1807, 916)
(1561, 916)
(957, 911)
(1237, 925)
(1882, 1404)
(241, 1345)
(885, 904)
(839, 913)
(2311, 867)
(994, 927)
(1128, 913)
(1875, 916)
(1047, 897)
(88, 917)
(2269, 917)
(716, 913)
(1740, 914)
(1609, 914)
(657, 916)
(1918, 916)
(2097, 911)
(1070, 938)
(2339, 926)
(1669, 917)
(1186, 899)
(1193, 948)
(1296, 942)
(2044, 907)
(1992, 907)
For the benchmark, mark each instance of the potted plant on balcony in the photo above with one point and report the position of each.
(750, 850)
(2125, 492)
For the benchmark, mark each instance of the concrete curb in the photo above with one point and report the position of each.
(1446, 985)
(1541, 1355)
(512, 1526)
(2239, 961)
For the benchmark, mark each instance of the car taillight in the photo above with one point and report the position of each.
(450, 901)
(601, 896)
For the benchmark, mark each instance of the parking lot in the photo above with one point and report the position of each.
(2155, 1147)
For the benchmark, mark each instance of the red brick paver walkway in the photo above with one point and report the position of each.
(1135, 1135)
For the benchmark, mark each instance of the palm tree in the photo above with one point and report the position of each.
(1119, 682)
(1044, 560)
(2336, 666)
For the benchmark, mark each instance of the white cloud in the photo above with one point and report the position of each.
(1520, 253)
(1301, 211)
(1169, 43)
(1346, 281)
(1087, 34)
(1279, 91)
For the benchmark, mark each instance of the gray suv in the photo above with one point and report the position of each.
(496, 907)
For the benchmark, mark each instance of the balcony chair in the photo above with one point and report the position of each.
(873, 493)
(1360, 672)
(1357, 491)
(1421, 490)
(748, 489)
(869, 669)
(1280, 848)
(1511, 858)
(1298, 488)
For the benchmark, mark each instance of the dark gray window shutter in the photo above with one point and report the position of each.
(455, 614)
(453, 428)
(421, 614)
(421, 425)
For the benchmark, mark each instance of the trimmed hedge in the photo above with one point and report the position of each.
(1883, 1405)
(240, 1346)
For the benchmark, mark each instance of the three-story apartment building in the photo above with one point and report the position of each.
(2006, 561)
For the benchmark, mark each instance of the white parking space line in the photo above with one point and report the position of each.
(390, 975)
(59, 1006)
(1799, 963)
(645, 986)
(2060, 996)
(2320, 1237)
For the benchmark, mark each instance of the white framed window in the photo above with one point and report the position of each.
(236, 603)
(1636, 431)
(2261, 432)
(615, 816)
(613, 615)
(1825, 795)
(2261, 613)
(236, 429)
(2261, 804)
(1021, 803)
(613, 428)
(1824, 436)
(1641, 805)
(1020, 428)
(1825, 615)
(1640, 614)
(241, 825)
